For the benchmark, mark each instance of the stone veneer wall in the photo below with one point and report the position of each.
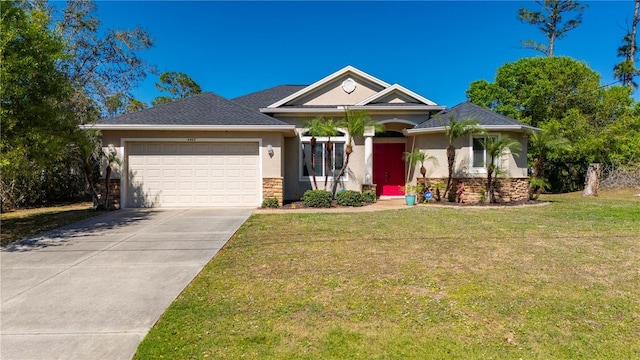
(272, 188)
(506, 190)
(114, 194)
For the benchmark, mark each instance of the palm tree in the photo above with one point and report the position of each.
(329, 129)
(455, 130)
(541, 144)
(495, 148)
(355, 122)
(418, 156)
(316, 127)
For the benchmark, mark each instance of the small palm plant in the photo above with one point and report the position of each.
(495, 148)
(418, 156)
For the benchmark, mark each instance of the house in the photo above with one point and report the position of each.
(210, 151)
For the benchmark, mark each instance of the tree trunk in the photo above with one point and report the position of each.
(451, 158)
(329, 160)
(632, 51)
(313, 162)
(592, 180)
(347, 153)
(107, 183)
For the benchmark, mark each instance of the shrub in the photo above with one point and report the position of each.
(317, 198)
(369, 197)
(270, 203)
(349, 198)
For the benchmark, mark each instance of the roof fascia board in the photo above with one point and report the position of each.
(327, 79)
(485, 127)
(399, 88)
(341, 109)
(189, 127)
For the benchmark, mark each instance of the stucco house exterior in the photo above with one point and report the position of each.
(210, 151)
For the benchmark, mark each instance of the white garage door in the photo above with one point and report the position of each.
(192, 174)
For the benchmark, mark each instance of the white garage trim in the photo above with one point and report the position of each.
(125, 154)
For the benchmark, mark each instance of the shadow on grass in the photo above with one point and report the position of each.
(93, 226)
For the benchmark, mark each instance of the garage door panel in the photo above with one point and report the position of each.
(192, 174)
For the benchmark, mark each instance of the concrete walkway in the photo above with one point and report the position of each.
(94, 289)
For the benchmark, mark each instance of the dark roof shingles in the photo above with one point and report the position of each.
(264, 98)
(468, 110)
(202, 109)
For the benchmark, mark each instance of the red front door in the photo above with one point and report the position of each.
(388, 168)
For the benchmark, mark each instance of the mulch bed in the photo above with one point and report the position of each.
(300, 205)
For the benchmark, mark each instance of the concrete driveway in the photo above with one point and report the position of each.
(94, 289)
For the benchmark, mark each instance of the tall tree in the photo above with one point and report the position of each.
(178, 85)
(35, 125)
(541, 144)
(626, 70)
(100, 63)
(496, 147)
(356, 123)
(121, 103)
(550, 22)
(453, 130)
(565, 96)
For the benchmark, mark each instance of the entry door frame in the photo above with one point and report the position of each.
(397, 166)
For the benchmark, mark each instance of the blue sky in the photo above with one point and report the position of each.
(433, 48)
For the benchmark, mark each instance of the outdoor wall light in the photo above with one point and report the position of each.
(270, 150)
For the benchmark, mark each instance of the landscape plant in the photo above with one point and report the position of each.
(270, 203)
(496, 147)
(349, 198)
(453, 130)
(317, 198)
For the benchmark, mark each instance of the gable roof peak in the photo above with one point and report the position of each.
(327, 79)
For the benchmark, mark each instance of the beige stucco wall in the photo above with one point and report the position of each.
(436, 145)
(271, 166)
(333, 94)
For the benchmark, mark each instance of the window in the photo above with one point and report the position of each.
(321, 167)
(478, 153)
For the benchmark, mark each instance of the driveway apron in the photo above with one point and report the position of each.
(94, 289)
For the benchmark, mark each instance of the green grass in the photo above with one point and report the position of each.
(18, 224)
(560, 281)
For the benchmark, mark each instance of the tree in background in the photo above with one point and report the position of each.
(564, 96)
(121, 103)
(35, 123)
(550, 22)
(496, 147)
(100, 63)
(541, 144)
(178, 85)
(626, 70)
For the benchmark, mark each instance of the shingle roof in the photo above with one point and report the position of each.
(264, 98)
(202, 109)
(468, 110)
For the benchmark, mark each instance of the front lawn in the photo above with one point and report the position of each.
(546, 282)
(19, 224)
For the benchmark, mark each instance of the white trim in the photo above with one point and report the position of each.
(125, 154)
(340, 109)
(514, 128)
(342, 139)
(189, 127)
(396, 120)
(399, 88)
(483, 169)
(326, 80)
